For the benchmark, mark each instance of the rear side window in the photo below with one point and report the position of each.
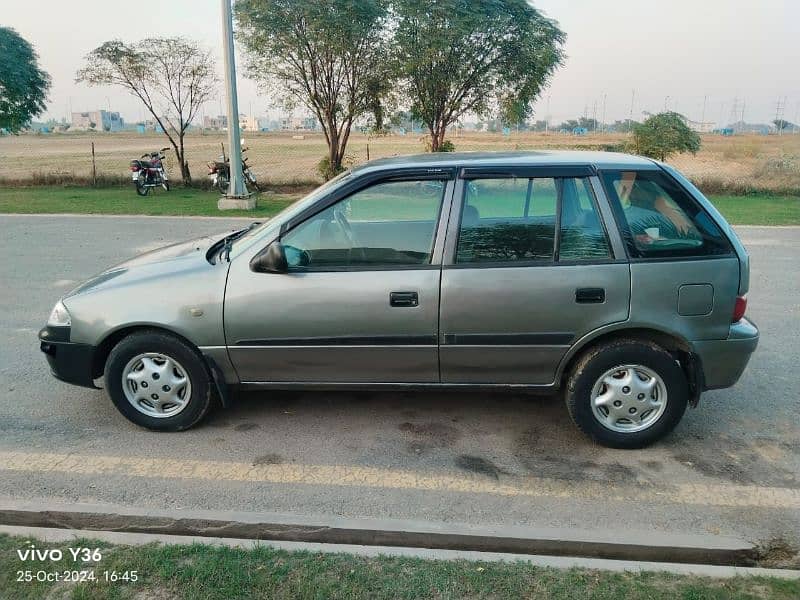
(524, 220)
(659, 218)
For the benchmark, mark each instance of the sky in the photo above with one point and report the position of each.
(699, 57)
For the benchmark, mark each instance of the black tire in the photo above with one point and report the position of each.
(165, 185)
(595, 362)
(222, 184)
(141, 189)
(202, 388)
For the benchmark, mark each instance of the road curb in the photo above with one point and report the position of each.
(559, 562)
(560, 542)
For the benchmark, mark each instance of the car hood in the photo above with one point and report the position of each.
(159, 262)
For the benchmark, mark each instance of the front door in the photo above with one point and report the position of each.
(529, 269)
(360, 302)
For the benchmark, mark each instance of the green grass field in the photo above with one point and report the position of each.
(199, 571)
(739, 210)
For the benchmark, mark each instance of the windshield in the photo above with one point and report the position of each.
(292, 209)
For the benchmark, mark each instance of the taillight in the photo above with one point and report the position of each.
(134, 168)
(739, 308)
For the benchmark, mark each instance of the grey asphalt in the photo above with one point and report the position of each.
(744, 437)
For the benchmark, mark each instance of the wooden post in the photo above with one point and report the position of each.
(94, 168)
(367, 150)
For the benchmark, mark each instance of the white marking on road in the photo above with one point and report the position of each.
(373, 477)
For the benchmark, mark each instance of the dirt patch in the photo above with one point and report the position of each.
(723, 468)
(778, 553)
(653, 465)
(246, 427)
(429, 436)
(543, 456)
(269, 459)
(479, 465)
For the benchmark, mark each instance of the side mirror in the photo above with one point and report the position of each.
(271, 260)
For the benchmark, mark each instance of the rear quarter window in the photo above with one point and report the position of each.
(659, 219)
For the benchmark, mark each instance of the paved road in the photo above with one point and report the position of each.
(731, 467)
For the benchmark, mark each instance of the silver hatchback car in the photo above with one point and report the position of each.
(607, 276)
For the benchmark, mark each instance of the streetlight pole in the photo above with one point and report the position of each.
(236, 188)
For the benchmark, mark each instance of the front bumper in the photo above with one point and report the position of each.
(69, 362)
(724, 361)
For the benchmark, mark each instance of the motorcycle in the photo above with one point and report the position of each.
(219, 171)
(150, 173)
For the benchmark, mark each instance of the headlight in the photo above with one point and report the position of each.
(60, 316)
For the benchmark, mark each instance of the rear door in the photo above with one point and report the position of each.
(360, 302)
(529, 268)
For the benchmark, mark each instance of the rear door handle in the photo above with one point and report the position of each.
(404, 299)
(590, 295)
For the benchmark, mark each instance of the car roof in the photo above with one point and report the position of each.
(601, 160)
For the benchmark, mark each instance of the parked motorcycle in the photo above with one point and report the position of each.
(149, 173)
(220, 172)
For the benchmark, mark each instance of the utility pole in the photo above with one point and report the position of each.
(633, 97)
(603, 128)
(703, 115)
(237, 196)
(547, 117)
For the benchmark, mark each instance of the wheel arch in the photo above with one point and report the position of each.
(107, 344)
(679, 347)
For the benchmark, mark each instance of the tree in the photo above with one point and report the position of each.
(330, 57)
(481, 57)
(172, 77)
(664, 134)
(23, 85)
(782, 124)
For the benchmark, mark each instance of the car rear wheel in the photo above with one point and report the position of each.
(627, 393)
(158, 381)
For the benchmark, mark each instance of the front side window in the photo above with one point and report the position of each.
(662, 220)
(387, 224)
(536, 219)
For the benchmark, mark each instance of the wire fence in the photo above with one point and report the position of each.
(739, 163)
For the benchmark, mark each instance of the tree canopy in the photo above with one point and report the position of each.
(23, 85)
(456, 56)
(330, 57)
(664, 134)
(172, 77)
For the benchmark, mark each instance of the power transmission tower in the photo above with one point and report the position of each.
(780, 109)
(735, 114)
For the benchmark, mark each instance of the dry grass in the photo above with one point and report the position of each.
(738, 164)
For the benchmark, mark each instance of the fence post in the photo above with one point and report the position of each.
(367, 150)
(94, 168)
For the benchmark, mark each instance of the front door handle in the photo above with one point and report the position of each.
(590, 295)
(404, 299)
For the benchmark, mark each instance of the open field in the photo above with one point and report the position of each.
(754, 209)
(200, 571)
(737, 164)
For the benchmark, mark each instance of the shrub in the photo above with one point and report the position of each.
(664, 134)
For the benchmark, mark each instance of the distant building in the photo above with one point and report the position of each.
(98, 120)
(249, 123)
(218, 122)
(298, 123)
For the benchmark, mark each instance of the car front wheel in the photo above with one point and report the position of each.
(627, 394)
(158, 381)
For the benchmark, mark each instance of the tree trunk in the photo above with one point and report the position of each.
(434, 138)
(186, 176)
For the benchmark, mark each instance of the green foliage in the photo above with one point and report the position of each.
(330, 57)
(23, 85)
(328, 171)
(455, 57)
(664, 134)
(444, 146)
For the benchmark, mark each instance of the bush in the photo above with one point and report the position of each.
(447, 146)
(326, 170)
(664, 134)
